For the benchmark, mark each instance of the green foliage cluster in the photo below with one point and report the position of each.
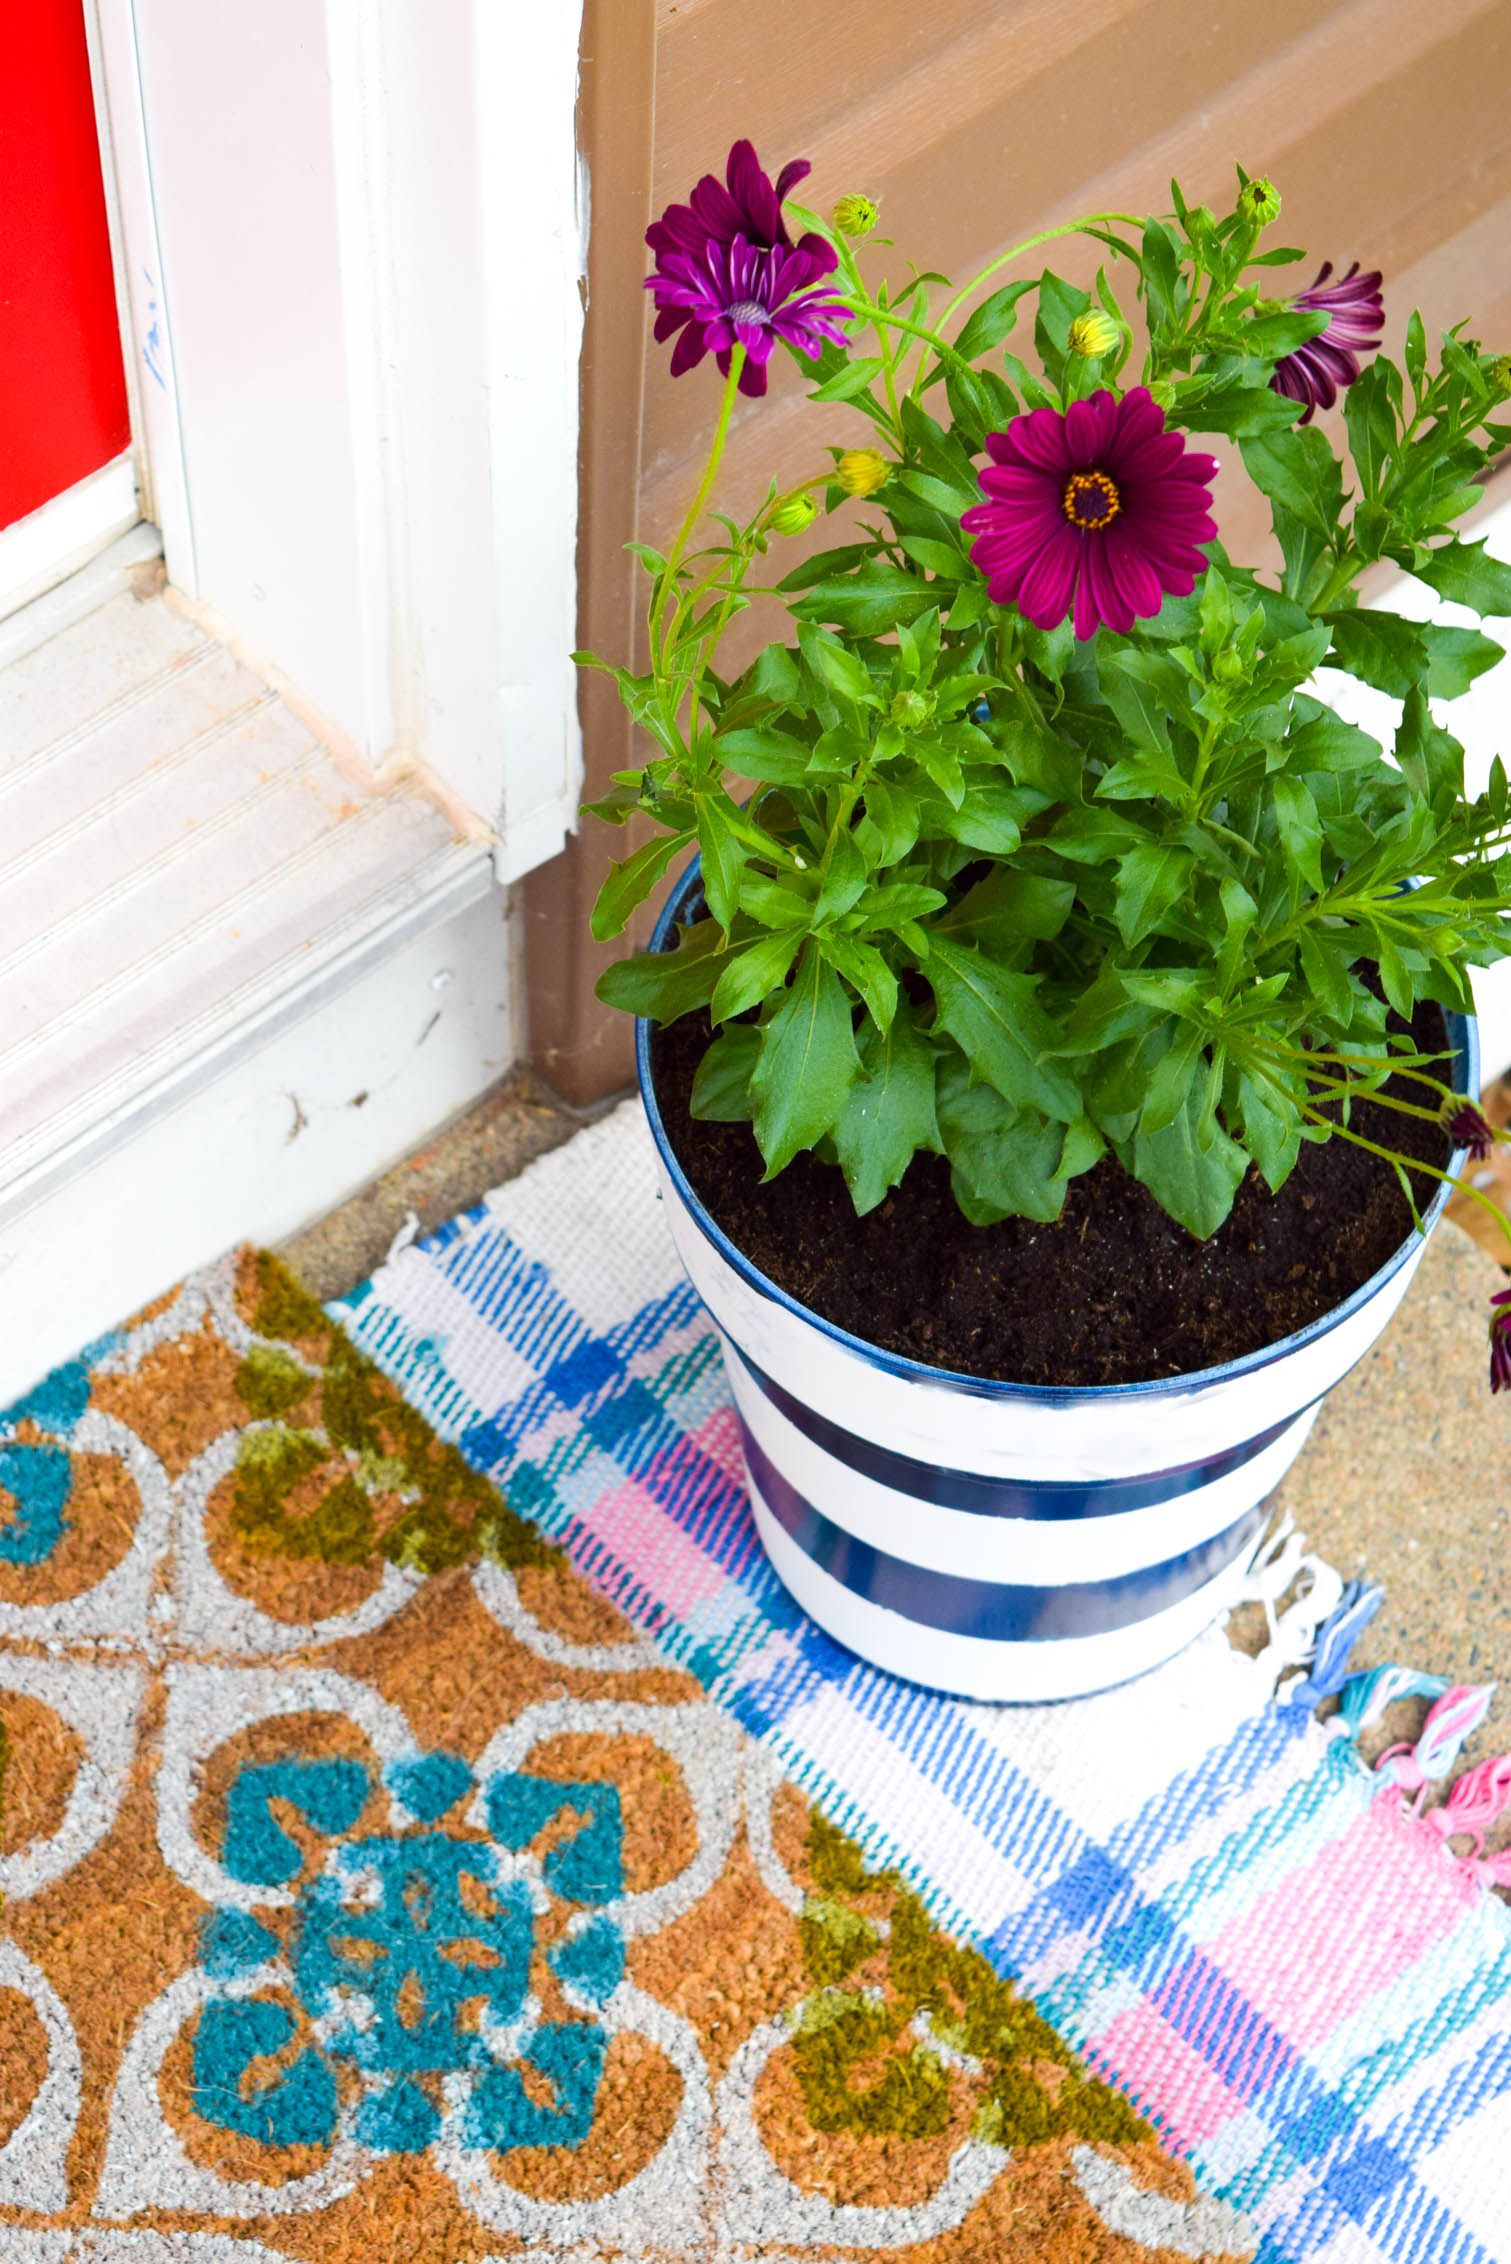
(976, 888)
(862, 2053)
(360, 1428)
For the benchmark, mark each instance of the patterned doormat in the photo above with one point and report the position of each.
(375, 1890)
(1299, 1976)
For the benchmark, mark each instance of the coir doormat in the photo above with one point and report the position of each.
(376, 1892)
(1302, 1981)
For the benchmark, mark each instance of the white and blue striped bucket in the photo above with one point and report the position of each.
(1007, 1541)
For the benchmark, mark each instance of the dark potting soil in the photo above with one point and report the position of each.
(1115, 1292)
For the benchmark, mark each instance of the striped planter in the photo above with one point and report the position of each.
(997, 1540)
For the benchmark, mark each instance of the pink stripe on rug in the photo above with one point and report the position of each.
(1365, 1910)
(1166, 2074)
(632, 1519)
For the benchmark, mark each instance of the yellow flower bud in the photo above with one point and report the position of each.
(1093, 334)
(1259, 202)
(856, 215)
(1500, 373)
(861, 471)
(792, 514)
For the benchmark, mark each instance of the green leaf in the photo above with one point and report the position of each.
(1298, 470)
(1371, 420)
(868, 602)
(1272, 336)
(995, 1018)
(723, 854)
(1272, 1133)
(1326, 977)
(1430, 757)
(1040, 758)
(938, 493)
(937, 557)
(889, 1111)
(721, 1086)
(1462, 572)
(1416, 353)
(852, 379)
(807, 1066)
(1004, 1160)
(630, 881)
(773, 757)
(667, 984)
(991, 321)
(867, 973)
(1007, 906)
(892, 813)
(843, 878)
(1239, 407)
(1162, 280)
(1239, 912)
(988, 819)
(752, 972)
(1084, 1146)
(1142, 778)
(1134, 702)
(822, 565)
(1300, 828)
(1152, 876)
(1193, 1170)
(1456, 657)
(1174, 1075)
(844, 669)
(1326, 742)
(1380, 649)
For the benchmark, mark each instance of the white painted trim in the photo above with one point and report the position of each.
(143, 1090)
(369, 403)
(146, 337)
(288, 1129)
(534, 261)
(85, 592)
(49, 544)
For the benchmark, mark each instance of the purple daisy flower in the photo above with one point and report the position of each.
(748, 295)
(1101, 509)
(1317, 371)
(728, 273)
(1500, 1341)
(1468, 1128)
(744, 203)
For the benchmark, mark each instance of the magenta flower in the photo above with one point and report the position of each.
(1467, 1128)
(1318, 371)
(1500, 1340)
(1101, 509)
(728, 273)
(744, 204)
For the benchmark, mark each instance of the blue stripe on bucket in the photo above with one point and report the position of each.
(994, 1611)
(1044, 1499)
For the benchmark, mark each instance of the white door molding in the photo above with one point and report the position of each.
(365, 219)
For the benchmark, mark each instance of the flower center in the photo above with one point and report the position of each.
(1090, 500)
(747, 310)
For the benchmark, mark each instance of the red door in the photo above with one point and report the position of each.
(62, 386)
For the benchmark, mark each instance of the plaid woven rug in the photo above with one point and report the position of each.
(1200, 1887)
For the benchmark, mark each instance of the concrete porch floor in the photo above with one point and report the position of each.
(1406, 1477)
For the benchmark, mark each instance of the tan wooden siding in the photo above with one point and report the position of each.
(1386, 125)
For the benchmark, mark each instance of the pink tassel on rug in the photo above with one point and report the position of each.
(1475, 1800)
(1456, 1716)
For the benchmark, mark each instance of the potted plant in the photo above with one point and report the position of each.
(1063, 1022)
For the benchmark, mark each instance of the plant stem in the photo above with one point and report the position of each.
(695, 508)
